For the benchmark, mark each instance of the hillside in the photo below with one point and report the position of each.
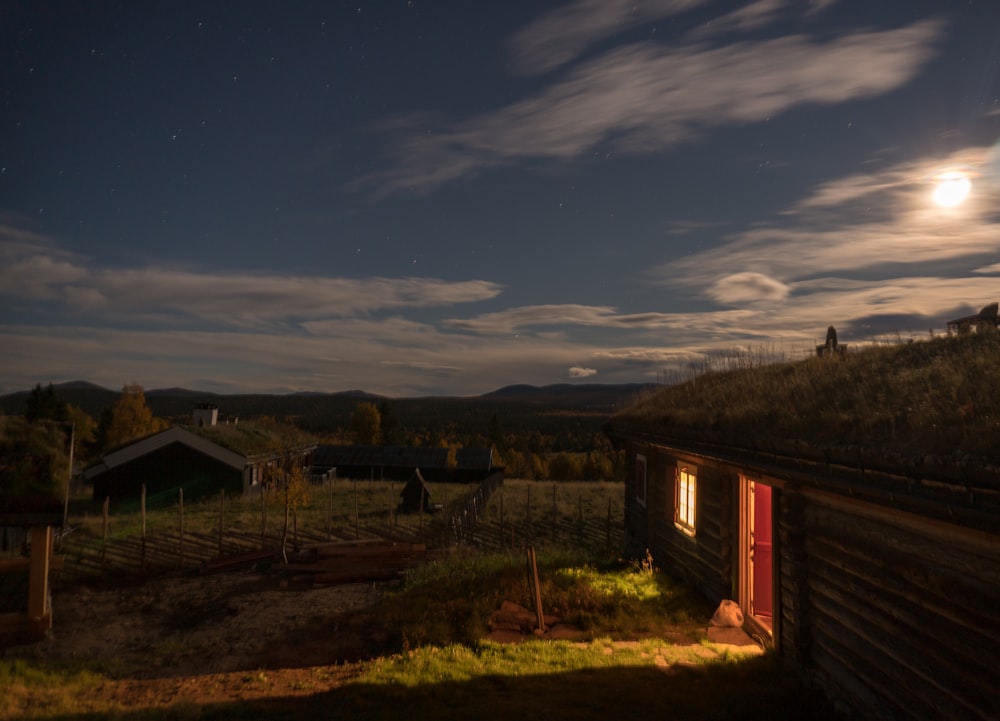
(524, 408)
(920, 405)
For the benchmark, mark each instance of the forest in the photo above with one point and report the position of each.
(549, 433)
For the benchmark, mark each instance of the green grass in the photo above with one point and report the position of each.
(437, 663)
(934, 397)
(451, 600)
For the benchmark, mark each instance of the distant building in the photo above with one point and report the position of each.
(398, 463)
(206, 415)
(986, 318)
(177, 458)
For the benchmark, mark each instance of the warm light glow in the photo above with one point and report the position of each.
(952, 188)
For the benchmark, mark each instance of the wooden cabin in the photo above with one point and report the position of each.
(177, 458)
(871, 563)
(883, 587)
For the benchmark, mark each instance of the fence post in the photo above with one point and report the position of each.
(329, 512)
(608, 542)
(180, 506)
(104, 534)
(222, 516)
(263, 510)
(142, 547)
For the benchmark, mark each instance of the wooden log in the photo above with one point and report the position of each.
(39, 613)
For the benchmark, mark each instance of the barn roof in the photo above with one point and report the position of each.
(152, 443)
(327, 456)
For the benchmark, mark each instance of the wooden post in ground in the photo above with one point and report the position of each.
(180, 505)
(536, 588)
(421, 526)
(263, 510)
(104, 534)
(608, 542)
(142, 514)
(39, 612)
(222, 516)
(329, 512)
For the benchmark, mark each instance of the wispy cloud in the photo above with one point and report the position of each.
(41, 273)
(561, 35)
(647, 97)
(855, 224)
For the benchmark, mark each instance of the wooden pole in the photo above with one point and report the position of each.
(263, 509)
(608, 542)
(180, 506)
(142, 547)
(222, 516)
(536, 588)
(39, 612)
(104, 535)
(421, 525)
(329, 512)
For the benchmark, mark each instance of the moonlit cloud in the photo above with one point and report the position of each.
(747, 288)
(611, 189)
(644, 98)
(561, 35)
(225, 299)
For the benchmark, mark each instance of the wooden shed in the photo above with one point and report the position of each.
(415, 495)
(164, 462)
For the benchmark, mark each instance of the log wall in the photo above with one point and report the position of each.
(894, 611)
(703, 560)
(898, 615)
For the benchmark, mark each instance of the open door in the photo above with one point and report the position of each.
(756, 582)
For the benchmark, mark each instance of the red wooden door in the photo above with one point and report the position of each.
(760, 551)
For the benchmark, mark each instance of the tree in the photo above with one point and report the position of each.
(391, 428)
(131, 418)
(84, 428)
(33, 465)
(45, 405)
(366, 423)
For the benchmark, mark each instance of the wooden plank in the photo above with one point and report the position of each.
(14, 564)
(39, 615)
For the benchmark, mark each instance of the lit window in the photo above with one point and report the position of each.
(640, 479)
(685, 493)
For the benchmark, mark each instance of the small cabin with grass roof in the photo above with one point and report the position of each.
(201, 461)
(850, 504)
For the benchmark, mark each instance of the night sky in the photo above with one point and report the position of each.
(431, 197)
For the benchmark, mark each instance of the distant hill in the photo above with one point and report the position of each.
(514, 406)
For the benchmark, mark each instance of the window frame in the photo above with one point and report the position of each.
(640, 479)
(686, 498)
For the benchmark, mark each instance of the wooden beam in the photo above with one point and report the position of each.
(39, 613)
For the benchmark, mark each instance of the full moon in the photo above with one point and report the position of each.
(952, 188)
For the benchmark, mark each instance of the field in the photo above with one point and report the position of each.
(258, 641)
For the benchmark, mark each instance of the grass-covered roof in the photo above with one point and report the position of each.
(929, 401)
